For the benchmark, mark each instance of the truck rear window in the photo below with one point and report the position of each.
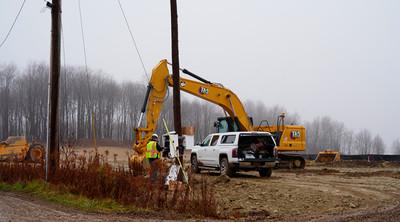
(255, 146)
(246, 139)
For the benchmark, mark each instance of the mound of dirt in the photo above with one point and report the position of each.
(306, 171)
(222, 179)
(359, 164)
(381, 173)
(324, 171)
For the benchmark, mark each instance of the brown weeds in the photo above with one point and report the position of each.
(92, 176)
(13, 172)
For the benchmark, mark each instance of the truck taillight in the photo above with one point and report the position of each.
(275, 151)
(235, 152)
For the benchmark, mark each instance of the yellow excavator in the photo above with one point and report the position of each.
(289, 138)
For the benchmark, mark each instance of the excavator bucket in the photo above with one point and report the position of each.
(327, 156)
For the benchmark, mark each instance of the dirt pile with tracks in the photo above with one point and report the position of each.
(312, 193)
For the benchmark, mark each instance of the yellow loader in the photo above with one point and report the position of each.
(16, 148)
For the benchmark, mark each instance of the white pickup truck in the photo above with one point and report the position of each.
(235, 151)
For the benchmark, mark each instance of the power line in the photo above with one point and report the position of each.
(12, 26)
(92, 121)
(133, 39)
(84, 50)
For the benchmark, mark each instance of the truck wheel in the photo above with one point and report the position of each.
(265, 172)
(35, 153)
(195, 164)
(225, 168)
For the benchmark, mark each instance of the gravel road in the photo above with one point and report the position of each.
(19, 207)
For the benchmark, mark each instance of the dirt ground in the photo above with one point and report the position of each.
(345, 191)
(317, 193)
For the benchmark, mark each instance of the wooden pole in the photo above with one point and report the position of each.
(52, 154)
(175, 71)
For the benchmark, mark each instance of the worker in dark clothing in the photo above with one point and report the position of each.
(153, 154)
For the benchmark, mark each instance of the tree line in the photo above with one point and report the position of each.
(85, 99)
(113, 109)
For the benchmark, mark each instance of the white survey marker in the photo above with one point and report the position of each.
(174, 169)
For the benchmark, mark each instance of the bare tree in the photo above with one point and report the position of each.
(363, 142)
(260, 112)
(347, 143)
(396, 146)
(7, 74)
(378, 146)
(325, 133)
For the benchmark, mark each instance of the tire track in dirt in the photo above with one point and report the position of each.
(378, 214)
(305, 195)
(350, 187)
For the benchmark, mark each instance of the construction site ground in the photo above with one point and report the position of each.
(343, 191)
(320, 193)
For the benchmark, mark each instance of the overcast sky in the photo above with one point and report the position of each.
(339, 58)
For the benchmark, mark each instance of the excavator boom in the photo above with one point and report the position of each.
(157, 90)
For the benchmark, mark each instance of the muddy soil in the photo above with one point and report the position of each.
(310, 194)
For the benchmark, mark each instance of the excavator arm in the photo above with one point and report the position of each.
(153, 102)
(219, 95)
(158, 88)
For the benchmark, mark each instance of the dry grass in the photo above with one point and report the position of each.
(91, 175)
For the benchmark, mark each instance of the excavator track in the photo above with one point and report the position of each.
(291, 161)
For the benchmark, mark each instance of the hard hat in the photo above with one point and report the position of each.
(154, 136)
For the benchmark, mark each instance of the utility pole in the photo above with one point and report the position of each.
(52, 154)
(175, 72)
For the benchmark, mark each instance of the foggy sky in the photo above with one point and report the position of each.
(339, 58)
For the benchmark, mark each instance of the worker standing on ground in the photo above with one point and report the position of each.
(153, 154)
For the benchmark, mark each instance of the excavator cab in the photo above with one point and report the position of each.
(228, 124)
